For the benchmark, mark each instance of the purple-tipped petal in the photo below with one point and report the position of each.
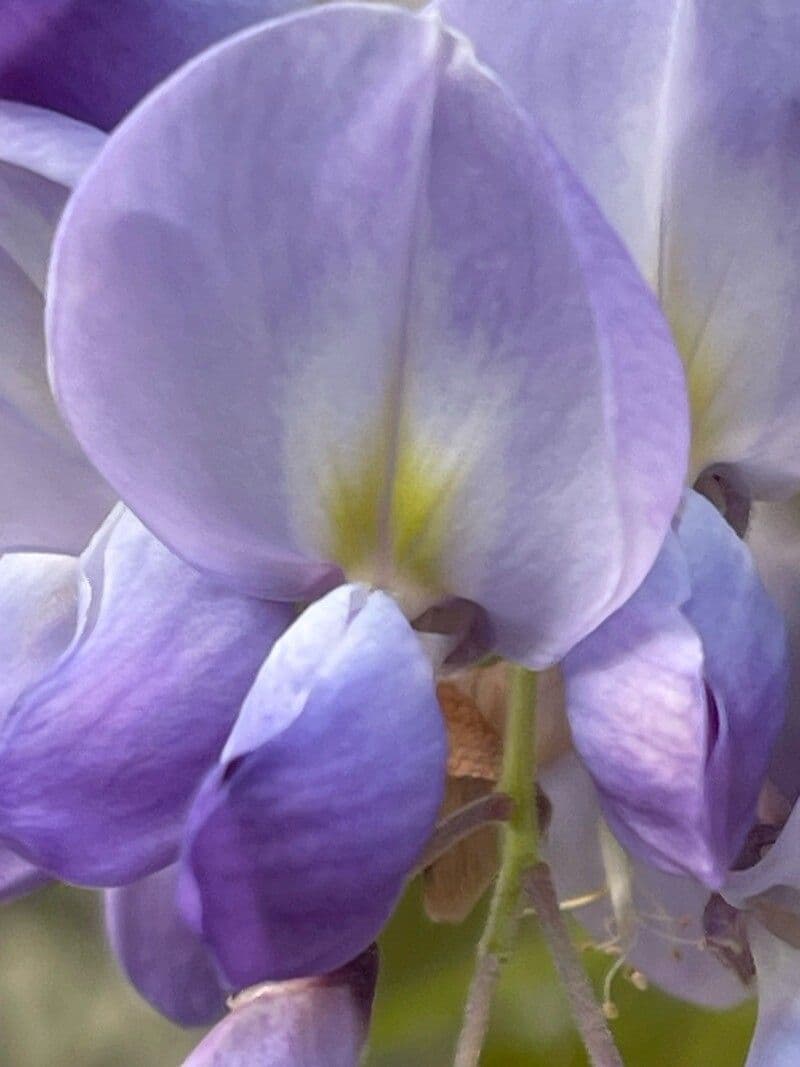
(94, 60)
(681, 118)
(300, 840)
(315, 1022)
(50, 496)
(99, 759)
(17, 876)
(362, 314)
(658, 923)
(160, 954)
(676, 701)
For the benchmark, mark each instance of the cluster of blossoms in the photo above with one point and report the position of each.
(345, 349)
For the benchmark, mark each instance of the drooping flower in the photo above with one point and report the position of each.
(364, 323)
(713, 951)
(676, 701)
(680, 122)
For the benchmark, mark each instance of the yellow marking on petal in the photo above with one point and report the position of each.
(412, 541)
(704, 376)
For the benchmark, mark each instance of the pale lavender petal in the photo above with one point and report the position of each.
(99, 759)
(17, 876)
(676, 701)
(594, 74)
(681, 118)
(659, 925)
(729, 260)
(158, 952)
(297, 847)
(491, 351)
(776, 1042)
(318, 1022)
(94, 60)
(50, 496)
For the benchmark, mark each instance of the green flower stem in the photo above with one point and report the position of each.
(519, 855)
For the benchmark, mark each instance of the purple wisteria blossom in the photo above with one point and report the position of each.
(364, 324)
(676, 701)
(682, 122)
(340, 326)
(712, 951)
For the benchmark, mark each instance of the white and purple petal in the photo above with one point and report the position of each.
(300, 840)
(99, 756)
(676, 701)
(408, 346)
(654, 919)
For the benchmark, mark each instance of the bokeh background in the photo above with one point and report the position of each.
(64, 1004)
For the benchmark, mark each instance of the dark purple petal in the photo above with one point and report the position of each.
(160, 954)
(315, 1022)
(17, 876)
(300, 840)
(98, 761)
(676, 701)
(361, 313)
(95, 59)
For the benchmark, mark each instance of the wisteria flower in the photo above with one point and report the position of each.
(364, 325)
(680, 122)
(714, 950)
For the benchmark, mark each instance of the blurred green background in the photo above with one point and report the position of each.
(63, 1003)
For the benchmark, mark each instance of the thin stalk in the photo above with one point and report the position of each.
(519, 854)
(588, 1016)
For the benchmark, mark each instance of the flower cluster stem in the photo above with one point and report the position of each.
(586, 1012)
(519, 855)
